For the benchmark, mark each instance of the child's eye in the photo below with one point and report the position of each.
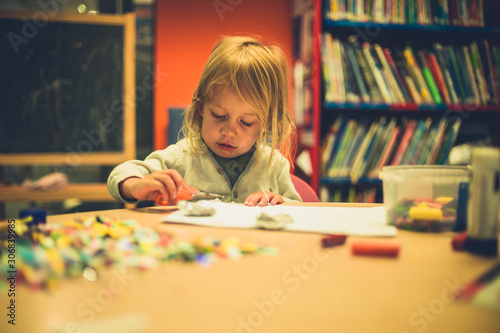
(247, 124)
(216, 116)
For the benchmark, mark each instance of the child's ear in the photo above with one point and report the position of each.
(200, 110)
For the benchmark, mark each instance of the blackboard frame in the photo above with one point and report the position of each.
(127, 21)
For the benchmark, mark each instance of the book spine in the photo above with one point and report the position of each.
(353, 93)
(329, 143)
(344, 141)
(358, 159)
(493, 77)
(339, 69)
(384, 139)
(454, 13)
(463, 58)
(353, 144)
(419, 147)
(471, 74)
(403, 144)
(388, 74)
(479, 72)
(445, 69)
(329, 95)
(412, 144)
(338, 133)
(415, 72)
(438, 76)
(391, 143)
(480, 13)
(375, 95)
(371, 148)
(456, 75)
(400, 81)
(382, 87)
(437, 141)
(412, 87)
(365, 97)
(436, 96)
(451, 140)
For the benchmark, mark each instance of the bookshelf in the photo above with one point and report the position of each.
(447, 102)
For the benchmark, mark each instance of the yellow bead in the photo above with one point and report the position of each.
(425, 213)
(443, 200)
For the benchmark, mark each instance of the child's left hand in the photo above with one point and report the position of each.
(262, 198)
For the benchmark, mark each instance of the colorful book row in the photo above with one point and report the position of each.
(353, 194)
(359, 148)
(421, 12)
(356, 72)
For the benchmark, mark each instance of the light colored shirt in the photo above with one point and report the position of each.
(204, 173)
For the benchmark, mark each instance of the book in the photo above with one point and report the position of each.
(427, 149)
(469, 76)
(332, 94)
(492, 76)
(419, 147)
(328, 88)
(365, 97)
(358, 159)
(397, 75)
(389, 75)
(344, 140)
(477, 66)
(417, 75)
(410, 83)
(387, 152)
(355, 142)
(438, 76)
(352, 91)
(373, 91)
(429, 79)
(370, 151)
(445, 69)
(437, 141)
(457, 79)
(448, 144)
(408, 130)
(413, 143)
(377, 74)
(331, 143)
(381, 147)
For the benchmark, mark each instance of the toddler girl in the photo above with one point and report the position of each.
(236, 132)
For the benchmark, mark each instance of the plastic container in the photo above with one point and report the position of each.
(422, 197)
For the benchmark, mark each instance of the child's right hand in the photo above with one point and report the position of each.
(164, 182)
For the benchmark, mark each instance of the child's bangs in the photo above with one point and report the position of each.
(252, 88)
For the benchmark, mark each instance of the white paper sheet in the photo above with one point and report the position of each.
(359, 221)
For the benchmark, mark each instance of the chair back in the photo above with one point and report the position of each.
(305, 190)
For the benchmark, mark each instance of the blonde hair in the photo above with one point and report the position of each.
(258, 74)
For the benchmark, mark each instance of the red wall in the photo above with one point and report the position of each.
(186, 32)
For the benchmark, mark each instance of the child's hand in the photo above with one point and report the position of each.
(262, 198)
(164, 182)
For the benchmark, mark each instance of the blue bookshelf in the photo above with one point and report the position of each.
(395, 37)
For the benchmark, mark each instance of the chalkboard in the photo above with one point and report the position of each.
(63, 85)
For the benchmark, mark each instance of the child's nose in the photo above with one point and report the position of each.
(229, 129)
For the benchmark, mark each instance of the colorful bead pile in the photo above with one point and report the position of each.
(49, 252)
(424, 214)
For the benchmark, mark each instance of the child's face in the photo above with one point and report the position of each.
(229, 125)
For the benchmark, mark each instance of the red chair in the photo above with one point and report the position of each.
(305, 190)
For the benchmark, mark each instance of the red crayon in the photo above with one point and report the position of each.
(333, 240)
(371, 248)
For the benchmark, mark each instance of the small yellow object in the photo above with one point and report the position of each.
(249, 247)
(443, 200)
(425, 213)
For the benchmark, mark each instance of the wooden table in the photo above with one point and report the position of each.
(304, 288)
